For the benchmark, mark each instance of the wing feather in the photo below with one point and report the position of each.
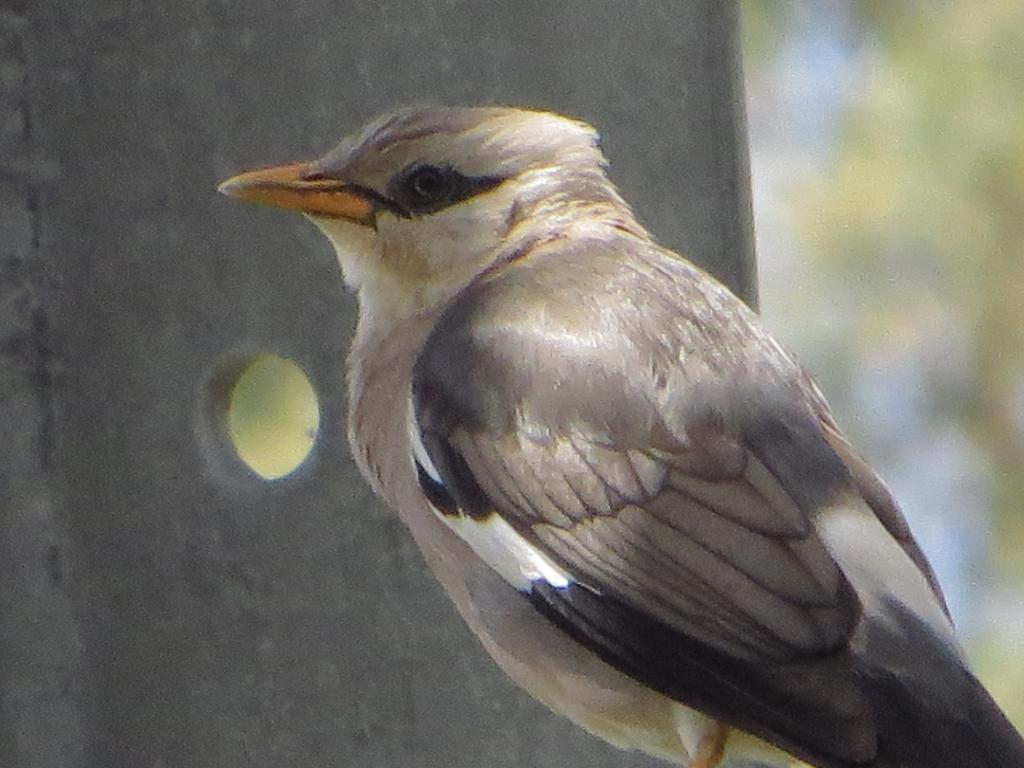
(675, 484)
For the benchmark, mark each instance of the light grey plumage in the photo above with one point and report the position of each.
(635, 497)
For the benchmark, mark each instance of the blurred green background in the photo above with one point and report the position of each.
(887, 143)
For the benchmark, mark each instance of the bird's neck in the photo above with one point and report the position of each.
(379, 374)
(570, 219)
(550, 204)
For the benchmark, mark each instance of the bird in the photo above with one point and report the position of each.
(636, 498)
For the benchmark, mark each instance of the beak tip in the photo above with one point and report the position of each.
(229, 187)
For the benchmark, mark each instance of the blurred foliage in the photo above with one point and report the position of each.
(923, 215)
(999, 665)
(914, 231)
(764, 25)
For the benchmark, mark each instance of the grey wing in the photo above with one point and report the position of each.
(712, 591)
(669, 527)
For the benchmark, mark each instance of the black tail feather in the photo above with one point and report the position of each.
(979, 736)
(931, 711)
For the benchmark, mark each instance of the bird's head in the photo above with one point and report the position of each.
(421, 201)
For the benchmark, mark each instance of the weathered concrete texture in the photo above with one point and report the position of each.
(40, 651)
(159, 605)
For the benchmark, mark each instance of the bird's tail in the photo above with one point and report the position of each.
(931, 711)
(977, 735)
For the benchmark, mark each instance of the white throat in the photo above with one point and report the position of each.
(408, 267)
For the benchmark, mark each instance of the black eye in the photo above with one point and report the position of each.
(429, 184)
(425, 188)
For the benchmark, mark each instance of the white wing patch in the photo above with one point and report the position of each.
(419, 450)
(878, 568)
(500, 546)
(493, 540)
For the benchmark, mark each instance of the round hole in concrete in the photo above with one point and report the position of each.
(272, 415)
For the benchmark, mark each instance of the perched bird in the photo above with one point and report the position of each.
(637, 500)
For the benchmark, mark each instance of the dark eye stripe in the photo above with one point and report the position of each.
(410, 197)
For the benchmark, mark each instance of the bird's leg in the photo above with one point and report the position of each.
(711, 746)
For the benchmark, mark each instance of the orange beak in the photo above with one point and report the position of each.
(301, 188)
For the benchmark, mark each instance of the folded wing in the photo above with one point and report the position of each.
(650, 480)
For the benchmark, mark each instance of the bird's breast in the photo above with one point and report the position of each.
(531, 650)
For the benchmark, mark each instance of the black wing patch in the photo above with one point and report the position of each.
(435, 492)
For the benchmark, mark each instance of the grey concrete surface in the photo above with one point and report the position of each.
(160, 606)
